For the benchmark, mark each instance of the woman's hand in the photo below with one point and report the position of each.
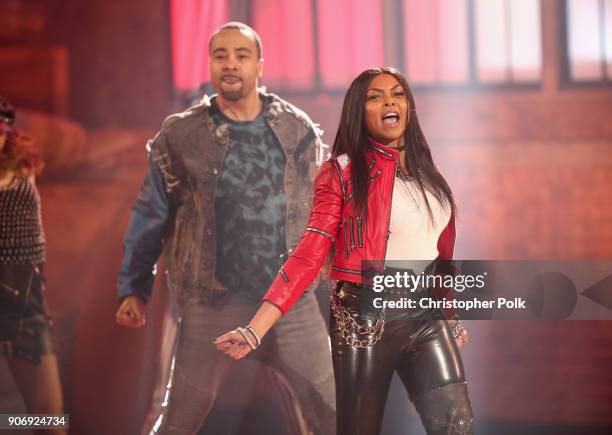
(235, 344)
(232, 344)
(459, 332)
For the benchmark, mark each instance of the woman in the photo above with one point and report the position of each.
(25, 327)
(380, 197)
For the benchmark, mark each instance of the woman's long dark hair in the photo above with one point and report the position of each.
(352, 139)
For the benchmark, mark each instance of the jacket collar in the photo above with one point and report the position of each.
(383, 150)
(271, 110)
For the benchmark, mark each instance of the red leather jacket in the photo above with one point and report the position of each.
(333, 219)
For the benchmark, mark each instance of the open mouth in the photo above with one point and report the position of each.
(230, 80)
(390, 119)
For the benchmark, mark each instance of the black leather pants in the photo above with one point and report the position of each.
(420, 348)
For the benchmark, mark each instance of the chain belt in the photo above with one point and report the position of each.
(367, 336)
(349, 326)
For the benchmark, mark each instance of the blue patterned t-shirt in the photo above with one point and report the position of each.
(250, 207)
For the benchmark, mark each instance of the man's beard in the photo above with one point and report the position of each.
(233, 95)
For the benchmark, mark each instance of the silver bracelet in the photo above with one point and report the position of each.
(246, 337)
(252, 331)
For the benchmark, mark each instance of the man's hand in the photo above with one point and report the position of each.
(131, 312)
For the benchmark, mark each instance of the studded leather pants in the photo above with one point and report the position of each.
(420, 348)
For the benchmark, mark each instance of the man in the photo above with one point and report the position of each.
(227, 196)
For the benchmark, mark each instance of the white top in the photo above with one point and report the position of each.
(413, 235)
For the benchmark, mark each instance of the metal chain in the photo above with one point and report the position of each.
(457, 328)
(348, 326)
(403, 175)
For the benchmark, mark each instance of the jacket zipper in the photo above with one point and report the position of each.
(283, 275)
(374, 177)
(214, 213)
(270, 126)
(359, 233)
(390, 205)
(343, 269)
(352, 220)
(346, 245)
(348, 198)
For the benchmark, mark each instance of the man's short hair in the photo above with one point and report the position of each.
(243, 27)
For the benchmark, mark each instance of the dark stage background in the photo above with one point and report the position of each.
(529, 160)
